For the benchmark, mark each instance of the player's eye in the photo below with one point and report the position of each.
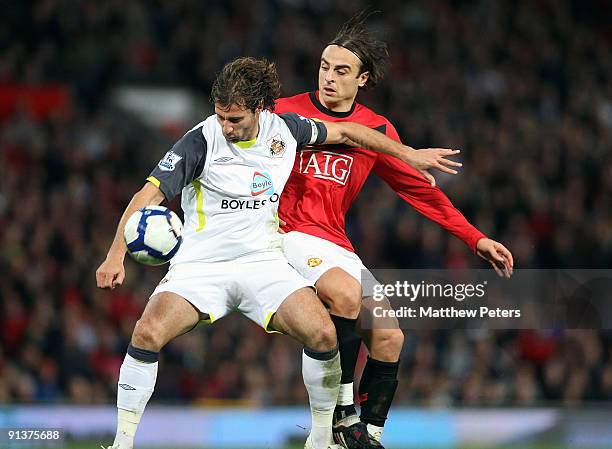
(324, 67)
(342, 72)
(231, 119)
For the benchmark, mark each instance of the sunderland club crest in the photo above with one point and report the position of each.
(277, 146)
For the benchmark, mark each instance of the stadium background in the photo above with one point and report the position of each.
(91, 96)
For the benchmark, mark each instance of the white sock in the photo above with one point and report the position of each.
(345, 396)
(322, 381)
(136, 384)
(375, 431)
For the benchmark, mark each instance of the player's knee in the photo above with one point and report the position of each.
(387, 344)
(148, 334)
(324, 339)
(346, 302)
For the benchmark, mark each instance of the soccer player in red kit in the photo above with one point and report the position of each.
(323, 184)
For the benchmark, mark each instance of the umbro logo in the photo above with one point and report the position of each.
(224, 159)
(127, 387)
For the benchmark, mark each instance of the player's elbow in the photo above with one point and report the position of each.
(150, 194)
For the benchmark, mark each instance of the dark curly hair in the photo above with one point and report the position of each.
(247, 82)
(373, 54)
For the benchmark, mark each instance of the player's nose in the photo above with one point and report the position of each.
(227, 128)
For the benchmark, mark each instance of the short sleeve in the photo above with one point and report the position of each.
(306, 131)
(181, 165)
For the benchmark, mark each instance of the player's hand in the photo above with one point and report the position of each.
(427, 158)
(281, 223)
(110, 274)
(497, 255)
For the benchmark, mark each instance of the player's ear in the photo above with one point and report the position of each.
(362, 79)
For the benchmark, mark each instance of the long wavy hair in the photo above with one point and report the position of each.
(247, 82)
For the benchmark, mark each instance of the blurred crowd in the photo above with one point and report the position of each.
(523, 88)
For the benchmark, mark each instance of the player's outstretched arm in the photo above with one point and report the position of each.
(111, 272)
(497, 255)
(364, 137)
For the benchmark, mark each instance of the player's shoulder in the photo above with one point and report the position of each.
(288, 117)
(277, 118)
(200, 125)
(369, 113)
(290, 122)
(206, 125)
(293, 98)
(367, 116)
(286, 104)
(275, 122)
(194, 134)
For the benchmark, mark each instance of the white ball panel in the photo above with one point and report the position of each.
(158, 234)
(131, 227)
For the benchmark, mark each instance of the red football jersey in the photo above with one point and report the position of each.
(326, 179)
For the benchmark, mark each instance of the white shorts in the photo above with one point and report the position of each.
(255, 285)
(312, 256)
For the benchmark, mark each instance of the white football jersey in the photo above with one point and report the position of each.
(230, 191)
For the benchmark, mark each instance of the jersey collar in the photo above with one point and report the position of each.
(244, 144)
(314, 97)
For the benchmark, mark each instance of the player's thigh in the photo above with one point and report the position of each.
(276, 297)
(264, 281)
(381, 333)
(335, 271)
(303, 316)
(166, 316)
(187, 296)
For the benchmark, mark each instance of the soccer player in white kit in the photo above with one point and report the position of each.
(231, 169)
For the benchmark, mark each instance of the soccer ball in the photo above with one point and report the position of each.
(153, 235)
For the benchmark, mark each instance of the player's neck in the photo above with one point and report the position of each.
(338, 106)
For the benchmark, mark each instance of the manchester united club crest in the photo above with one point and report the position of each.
(314, 262)
(277, 146)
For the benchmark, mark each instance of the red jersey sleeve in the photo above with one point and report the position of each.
(429, 201)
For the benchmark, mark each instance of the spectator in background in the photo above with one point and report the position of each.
(534, 95)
